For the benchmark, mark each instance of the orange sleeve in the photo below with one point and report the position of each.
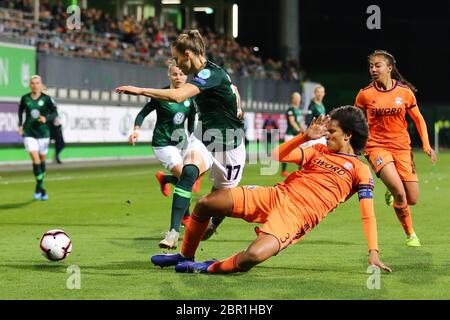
(289, 151)
(359, 101)
(364, 185)
(369, 223)
(421, 127)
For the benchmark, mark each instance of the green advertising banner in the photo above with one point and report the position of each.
(17, 65)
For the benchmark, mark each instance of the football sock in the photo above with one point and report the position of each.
(216, 221)
(39, 177)
(168, 178)
(193, 235)
(228, 265)
(182, 195)
(43, 167)
(404, 216)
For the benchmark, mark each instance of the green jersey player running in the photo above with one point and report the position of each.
(169, 138)
(217, 143)
(39, 109)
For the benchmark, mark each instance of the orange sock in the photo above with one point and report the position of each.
(193, 235)
(227, 265)
(404, 216)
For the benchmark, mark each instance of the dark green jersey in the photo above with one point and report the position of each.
(314, 111)
(170, 116)
(297, 113)
(42, 106)
(217, 105)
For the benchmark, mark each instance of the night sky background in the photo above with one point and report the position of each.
(334, 38)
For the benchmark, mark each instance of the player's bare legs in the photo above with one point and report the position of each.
(391, 179)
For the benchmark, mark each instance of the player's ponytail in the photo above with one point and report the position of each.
(395, 74)
(190, 40)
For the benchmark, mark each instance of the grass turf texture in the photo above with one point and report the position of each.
(116, 217)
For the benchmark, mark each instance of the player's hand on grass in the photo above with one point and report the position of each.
(318, 128)
(430, 152)
(129, 90)
(42, 119)
(374, 260)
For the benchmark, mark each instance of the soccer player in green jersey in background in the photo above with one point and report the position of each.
(315, 110)
(39, 109)
(217, 143)
(295, 124)
(169, 139)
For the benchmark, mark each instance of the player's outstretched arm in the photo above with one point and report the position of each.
(369, 223)
(172, 95)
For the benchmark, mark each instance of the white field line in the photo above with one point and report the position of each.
(65, 178)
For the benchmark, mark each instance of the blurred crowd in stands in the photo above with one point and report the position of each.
(127, 40)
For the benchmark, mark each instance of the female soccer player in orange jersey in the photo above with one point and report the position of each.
(386, 101)
(288, 210)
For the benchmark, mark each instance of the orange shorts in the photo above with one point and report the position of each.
(274, 209)
(403, 161)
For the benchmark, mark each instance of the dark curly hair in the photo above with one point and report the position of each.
(352, 120)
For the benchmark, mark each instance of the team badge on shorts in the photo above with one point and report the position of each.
(251, 187)
(379, 160)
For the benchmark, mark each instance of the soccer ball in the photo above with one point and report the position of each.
(55, 245)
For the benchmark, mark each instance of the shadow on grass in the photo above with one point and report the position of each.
(51, 266)
(8, 206)
(114, 225)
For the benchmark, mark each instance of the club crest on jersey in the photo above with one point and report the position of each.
(204, 74)
(379, 160)
(348, 165)
(178, 118)
(398, 101)
(187, 103)
(40, 103)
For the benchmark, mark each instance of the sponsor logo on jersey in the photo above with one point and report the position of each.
(378, 112)
(204, 74)
(178, 118)
(329, 166)
(35, 113)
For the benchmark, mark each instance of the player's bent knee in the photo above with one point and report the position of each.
(412, 201)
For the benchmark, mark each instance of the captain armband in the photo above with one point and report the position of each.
(365, 193)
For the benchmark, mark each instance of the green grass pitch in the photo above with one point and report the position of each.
(116, 216)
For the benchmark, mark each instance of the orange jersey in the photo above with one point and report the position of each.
(386, 115)
(327, 180)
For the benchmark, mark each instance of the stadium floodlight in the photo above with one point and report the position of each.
(171, 2)
(206, 10)
(235, 20)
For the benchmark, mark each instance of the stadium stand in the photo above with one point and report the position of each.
(127, 40)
